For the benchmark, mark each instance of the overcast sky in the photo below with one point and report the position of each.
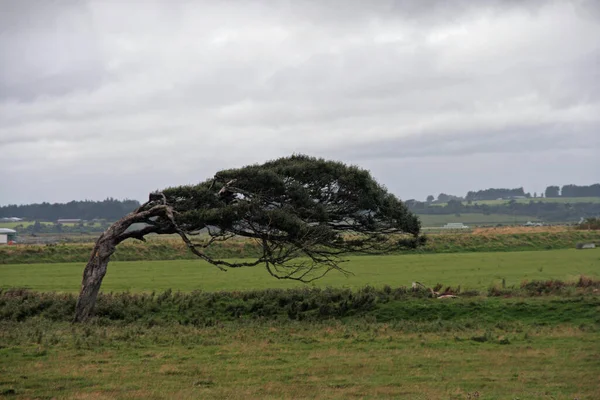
(118, 99)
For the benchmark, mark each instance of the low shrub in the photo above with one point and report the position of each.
(209, 308)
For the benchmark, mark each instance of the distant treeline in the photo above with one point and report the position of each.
(547, 211)
(495, 193)
(109, 209)
(112, 209)
(573, 191)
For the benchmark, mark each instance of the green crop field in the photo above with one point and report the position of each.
(429, 220)
(471, 270)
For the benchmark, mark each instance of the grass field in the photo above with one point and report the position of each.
(25, 224)
(470, 270)
(297, 361)
(11, 225)
(428, 220)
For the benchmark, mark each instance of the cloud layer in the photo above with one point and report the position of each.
(115, 99)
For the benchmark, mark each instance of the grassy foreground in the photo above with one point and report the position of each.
(296, 361)
(538, 340)
(470, 270)
(391, 343)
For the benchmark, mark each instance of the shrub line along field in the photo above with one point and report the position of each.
(576, 304)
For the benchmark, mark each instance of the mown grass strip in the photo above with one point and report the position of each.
(470, 270)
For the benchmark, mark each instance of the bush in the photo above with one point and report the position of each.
(301, 304)
(589, 224)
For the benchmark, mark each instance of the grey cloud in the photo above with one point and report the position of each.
(430, 11)
(514, 140)
(417, 177)
(47, 48)
(54, 85)
(187, 88)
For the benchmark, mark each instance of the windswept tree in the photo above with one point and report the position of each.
(304, 213)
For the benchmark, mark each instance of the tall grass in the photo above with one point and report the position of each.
(381, 304)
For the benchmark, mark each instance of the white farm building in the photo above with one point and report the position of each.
(7, 235)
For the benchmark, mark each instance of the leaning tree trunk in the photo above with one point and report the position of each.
(93, 274)
(106, 245)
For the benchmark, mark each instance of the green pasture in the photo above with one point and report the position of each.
(470, 270)
(11, 225)
(39, 359)
(429, 220)
(25, 224)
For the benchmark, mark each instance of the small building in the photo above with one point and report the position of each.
(7, 235)
(529, 223)
(455, 225)
(11, 219)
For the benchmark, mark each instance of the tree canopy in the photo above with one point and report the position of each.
(493, 194)
(306, 214)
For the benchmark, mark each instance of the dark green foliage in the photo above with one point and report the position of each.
(289, 196)
(293, 207)
(19, 305)
(552, 191)
(443, 198)
(493, 194)
(202, 308)
(580, 191)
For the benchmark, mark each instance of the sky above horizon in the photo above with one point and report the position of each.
(117, 99)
